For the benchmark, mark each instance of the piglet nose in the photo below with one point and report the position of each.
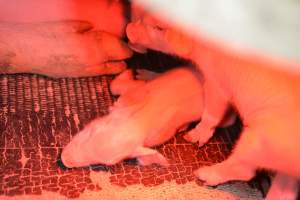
(67, 158)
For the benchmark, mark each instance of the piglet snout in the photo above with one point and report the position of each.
(134, 33)
(67, 158)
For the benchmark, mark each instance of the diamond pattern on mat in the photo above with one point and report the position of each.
(39, 116)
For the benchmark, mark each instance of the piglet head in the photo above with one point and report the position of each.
(103, 141)
(147, 31)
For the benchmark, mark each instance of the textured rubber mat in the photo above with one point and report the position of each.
(39, 116)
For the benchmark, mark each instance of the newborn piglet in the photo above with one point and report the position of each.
(147, 113)
(265, 96)
(67, 48)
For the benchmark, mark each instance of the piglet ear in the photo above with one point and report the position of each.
(122, 83)
(147, 156)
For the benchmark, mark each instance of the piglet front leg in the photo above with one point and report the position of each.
(239, 165)
(215, 106)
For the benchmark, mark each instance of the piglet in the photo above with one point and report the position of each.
(105, 15)
(60, 48)
(265, 96)
(147, 114)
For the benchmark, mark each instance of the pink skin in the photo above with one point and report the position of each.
(62, 38)
(266, 98)
(62, 48)
(95, 11)
(283, 187)
(147, 114)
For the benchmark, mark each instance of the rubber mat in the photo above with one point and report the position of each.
(39, 116)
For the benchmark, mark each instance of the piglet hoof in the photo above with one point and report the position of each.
(209, 176)
(192, 136)
(200, 134)
(153, 159)
(223, 172)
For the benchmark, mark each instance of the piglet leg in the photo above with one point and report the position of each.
(239, 166)
(283, 187)
(215, 106)
(147, 156)
(228, 170)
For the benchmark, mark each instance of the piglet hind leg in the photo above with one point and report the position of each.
(215, 107)
(283, 187)
(147, 156)
(239, 166)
